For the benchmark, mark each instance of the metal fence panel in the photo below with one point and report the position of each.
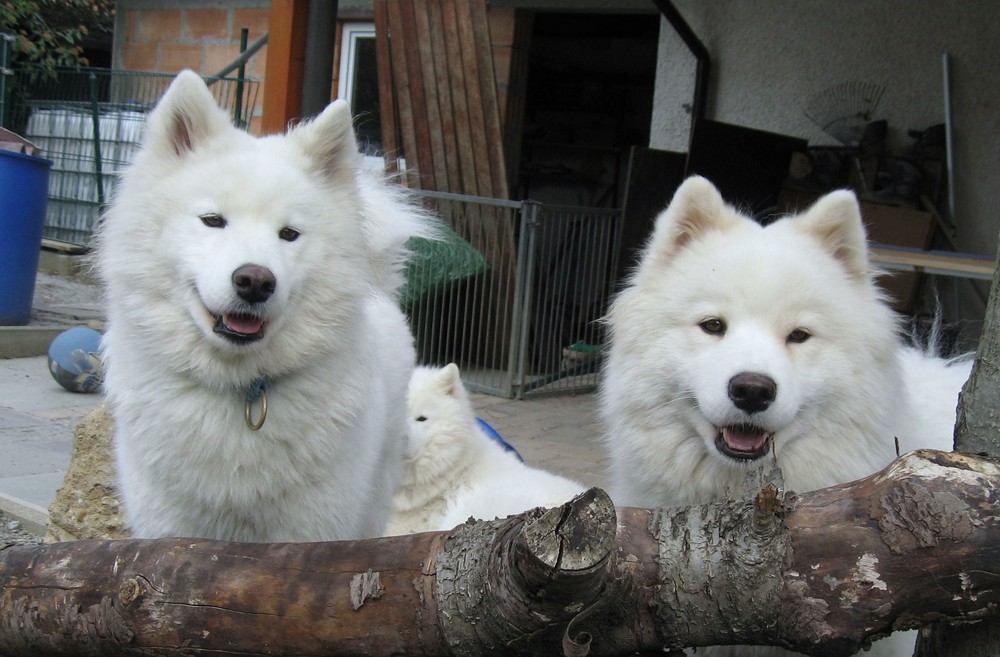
(466, 315)
(574, 257)
(525, 318)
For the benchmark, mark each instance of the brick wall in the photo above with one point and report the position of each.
(166, 36)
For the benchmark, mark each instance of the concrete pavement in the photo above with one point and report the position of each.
(37, 421)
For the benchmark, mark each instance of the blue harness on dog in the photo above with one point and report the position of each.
(493, 435)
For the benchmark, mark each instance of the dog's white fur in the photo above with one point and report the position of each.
(453, 471)
(716, 295)
(336, 350)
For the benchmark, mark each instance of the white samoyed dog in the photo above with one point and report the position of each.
(454, 471)
(732, 340)
(257, 361)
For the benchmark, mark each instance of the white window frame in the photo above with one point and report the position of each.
(351, 34)
(348, 56)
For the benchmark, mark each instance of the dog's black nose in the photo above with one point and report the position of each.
(254, 284)
(752, 392)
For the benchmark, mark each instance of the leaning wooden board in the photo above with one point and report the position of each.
(944, 263)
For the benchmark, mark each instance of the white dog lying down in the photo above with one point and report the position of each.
(454, 471)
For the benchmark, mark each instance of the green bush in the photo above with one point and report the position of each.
(50, 33)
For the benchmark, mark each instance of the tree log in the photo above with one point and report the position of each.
(825, 572)
(976, 432)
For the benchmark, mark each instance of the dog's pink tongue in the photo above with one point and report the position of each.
(744, 441)
(246, 324)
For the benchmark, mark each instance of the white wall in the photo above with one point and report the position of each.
(769, 56)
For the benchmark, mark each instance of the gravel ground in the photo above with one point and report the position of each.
(55, 290)
(62, 301)
(11, 533)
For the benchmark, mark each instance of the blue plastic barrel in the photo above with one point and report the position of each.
(24, 188)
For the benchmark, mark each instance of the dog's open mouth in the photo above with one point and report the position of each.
(745, 442)
(241, 328)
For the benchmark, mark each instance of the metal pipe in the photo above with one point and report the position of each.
(95, 109)
(239, 61)
(698, 49)
(317, 70)
(240, 76)
(5, 41)
(949, 138)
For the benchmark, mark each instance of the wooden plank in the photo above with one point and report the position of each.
(440, 62)
(434, 128)
(422, 157)
(386, 94)
(517, 91)
(945, 263)
(401, 80)
(474, 98)
(285, 70)
(488, 90)
(460, 106)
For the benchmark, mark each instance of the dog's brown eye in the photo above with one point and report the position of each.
(713, 326)
(799, 336)
(421, 418)
(289, 234)
(212, 220)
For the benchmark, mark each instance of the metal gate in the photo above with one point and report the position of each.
(516, 294)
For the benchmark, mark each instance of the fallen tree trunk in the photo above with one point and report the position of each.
(825, 572)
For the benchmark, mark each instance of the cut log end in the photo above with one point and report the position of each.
(575, 537)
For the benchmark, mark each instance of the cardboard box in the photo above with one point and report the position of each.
(887, 224)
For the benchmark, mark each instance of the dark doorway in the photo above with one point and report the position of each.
(589, 99)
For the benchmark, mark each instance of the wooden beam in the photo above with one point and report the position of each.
(944, 263)
(285, 70)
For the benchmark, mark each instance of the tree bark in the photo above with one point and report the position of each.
(823, 573)
(977, 431)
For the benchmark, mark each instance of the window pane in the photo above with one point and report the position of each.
(364, 95)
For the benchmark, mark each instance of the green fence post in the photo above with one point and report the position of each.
(241, 73)
(95, 109)
(5, 41)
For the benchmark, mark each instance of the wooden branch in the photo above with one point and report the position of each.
(825, 573)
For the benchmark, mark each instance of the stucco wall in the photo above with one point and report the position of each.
(769, 56)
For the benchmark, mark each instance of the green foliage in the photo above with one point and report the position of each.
(50, 33)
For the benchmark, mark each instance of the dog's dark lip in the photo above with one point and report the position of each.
(755, 449)
(226, 325)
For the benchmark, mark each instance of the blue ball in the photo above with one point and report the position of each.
(75, 360)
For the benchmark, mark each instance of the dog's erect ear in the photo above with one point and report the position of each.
(696, 209)
(185, 118)
(451, 380)
(328, 140)
(835, 221)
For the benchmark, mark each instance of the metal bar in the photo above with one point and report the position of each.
(95, 109)
(949, 138)
(700, 52)
(239, 62)
(5, 40)
(240, 75)
(466, 198)
(526, 260)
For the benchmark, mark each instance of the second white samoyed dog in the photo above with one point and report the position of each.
(732, 340)
(257, 361)
(454, 471)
